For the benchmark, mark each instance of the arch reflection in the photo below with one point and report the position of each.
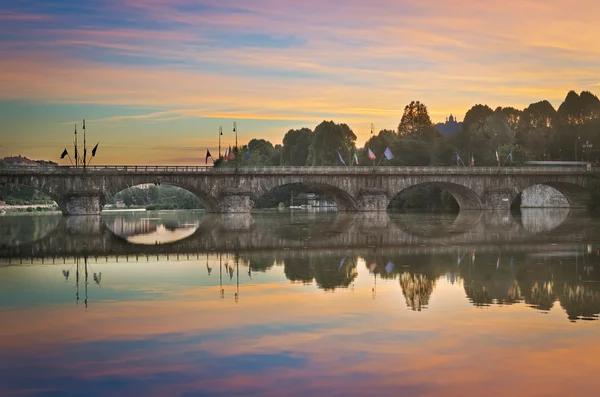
(152, 229)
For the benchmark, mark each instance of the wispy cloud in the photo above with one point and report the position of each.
(282, 62)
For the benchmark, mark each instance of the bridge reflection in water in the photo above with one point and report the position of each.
(300, 304)
(538, 258)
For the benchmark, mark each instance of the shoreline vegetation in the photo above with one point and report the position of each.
(486, 137)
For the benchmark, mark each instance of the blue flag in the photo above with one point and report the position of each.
(388, 154)
(510, 155)
(248, 154)
(457, 159)
(341, 159)
(389, 267)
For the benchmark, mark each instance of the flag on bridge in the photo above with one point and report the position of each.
(510, 156)
(472, 161)
(94, 149)
(64, 153)
(497, 158)
(371, 155)
(388, 153)
(457, 160)
(231, 154)
(226, 155)
(208, 155)
(355, 158)
(248, 154)
(341, 159)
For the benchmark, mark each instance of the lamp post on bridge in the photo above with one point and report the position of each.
(587, 146)
(220, 133)
(236, 146)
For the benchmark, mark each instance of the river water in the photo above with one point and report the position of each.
(279, 303)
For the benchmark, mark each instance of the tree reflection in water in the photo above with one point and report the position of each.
(417, 289)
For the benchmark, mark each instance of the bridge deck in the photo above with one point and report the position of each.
(355, 170)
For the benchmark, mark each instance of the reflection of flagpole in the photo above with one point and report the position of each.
(374, 289)
(237, 268)
(222, 292)
(77, 279)
(86, 281)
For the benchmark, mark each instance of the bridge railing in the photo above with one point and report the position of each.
(308, 170)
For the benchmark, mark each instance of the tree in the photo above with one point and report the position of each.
(512, 115)
(535, 129)
(330, 138)
(497, 129)
(260, 152)
(295, 146)
(377, 144)
(415, 120)
(475, 118)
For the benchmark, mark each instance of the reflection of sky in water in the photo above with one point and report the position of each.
(162, 328)
(496, 321)
(162, 235)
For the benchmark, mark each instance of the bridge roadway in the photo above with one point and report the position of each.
(484, 231)
(79, 191)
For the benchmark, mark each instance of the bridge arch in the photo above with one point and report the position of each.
(343, 199)
(30, 183)
(552, 194)
(207, 200)
(464, 196)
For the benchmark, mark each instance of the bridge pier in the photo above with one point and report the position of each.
(82, 204)
(236, 200)
(372, 200)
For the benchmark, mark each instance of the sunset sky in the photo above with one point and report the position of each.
(155, 79)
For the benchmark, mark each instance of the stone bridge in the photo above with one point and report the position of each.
(83, 191)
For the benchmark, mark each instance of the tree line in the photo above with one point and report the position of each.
(538, 132)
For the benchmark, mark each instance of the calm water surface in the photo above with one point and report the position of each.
(279, 303)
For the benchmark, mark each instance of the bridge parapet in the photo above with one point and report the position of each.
(283, 170)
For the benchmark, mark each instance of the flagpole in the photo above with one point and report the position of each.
(84, 147)
(76, 153)
(506, 159)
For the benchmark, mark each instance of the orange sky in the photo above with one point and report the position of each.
(155, 79)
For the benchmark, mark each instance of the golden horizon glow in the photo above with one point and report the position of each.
(182, 69)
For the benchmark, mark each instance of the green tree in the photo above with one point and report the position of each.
(296, 145)
(415, 120)
(328, 139)
(535, 129)
(377, 144)
(513, 116)
(573, 118)
(475, 118)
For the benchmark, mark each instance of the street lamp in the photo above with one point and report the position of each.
(236, 144)
(587, 146)
(220, 133)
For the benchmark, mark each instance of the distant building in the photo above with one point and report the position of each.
(310, 200)
(19, 161)
(450, 127)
